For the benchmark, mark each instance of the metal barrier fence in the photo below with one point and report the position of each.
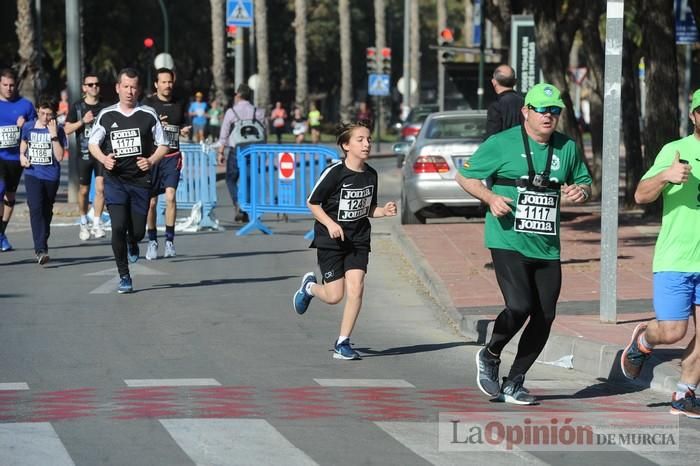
(197, 183)
(278, 178)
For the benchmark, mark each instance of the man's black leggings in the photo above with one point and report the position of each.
(128, 226)
(530, 288)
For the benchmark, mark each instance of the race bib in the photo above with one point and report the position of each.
(40, 153)
(354, 203)
(172, 134)
(126, 142)
(9, 136)
(537, 213)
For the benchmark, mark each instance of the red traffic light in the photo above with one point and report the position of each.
(148, 42)
(447, 35)
(231, 30)
(371, 52)
(386, 52)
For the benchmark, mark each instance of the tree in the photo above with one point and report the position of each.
(218, 66)
(263, 91)
(415, 52)
(302, 91)
(28, 68)
(345, 60)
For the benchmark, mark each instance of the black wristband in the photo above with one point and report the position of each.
(55, 138)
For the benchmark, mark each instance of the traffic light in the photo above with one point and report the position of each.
(386, 60)
(371, 56)
(148, 42)
(230, 41)
(447, 38)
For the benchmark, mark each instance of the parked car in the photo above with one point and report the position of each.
(411, 127)
(428, 188)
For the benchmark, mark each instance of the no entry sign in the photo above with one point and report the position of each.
(286, 164)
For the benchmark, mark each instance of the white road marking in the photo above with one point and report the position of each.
(380, 383)
(234, 442)
(172, 383)
(32, 444)
(422, 439)
(14, 386)
(110, 286)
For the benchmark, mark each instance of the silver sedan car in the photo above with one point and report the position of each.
(428, 188)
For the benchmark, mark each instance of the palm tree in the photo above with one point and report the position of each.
(415, 52)
(28, 68)
(302, 90)
(345, 60)
(218, 66)
(263, 90)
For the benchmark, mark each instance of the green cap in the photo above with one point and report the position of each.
(544, 95)
(695, 103)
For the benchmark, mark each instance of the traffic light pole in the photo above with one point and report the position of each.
(482, 54)
(441, 83)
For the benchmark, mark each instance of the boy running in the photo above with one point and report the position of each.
(343, 199)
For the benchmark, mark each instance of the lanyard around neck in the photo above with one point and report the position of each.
(528, 157)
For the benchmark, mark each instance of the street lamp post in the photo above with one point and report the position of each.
(166, 27)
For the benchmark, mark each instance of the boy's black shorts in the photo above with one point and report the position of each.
(334, 263)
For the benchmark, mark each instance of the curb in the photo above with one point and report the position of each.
(595, 359)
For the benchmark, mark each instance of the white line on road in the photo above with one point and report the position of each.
(172, 383)
(14, 386)
(32, 444)
(422, 439)
(234, 442)
(380, 383)
(110, 286)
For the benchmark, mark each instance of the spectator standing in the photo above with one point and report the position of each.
(241, 111)
(279, 120)
(505, 111)
(198, 114)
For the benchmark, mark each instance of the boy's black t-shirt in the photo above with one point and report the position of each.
(347, 197)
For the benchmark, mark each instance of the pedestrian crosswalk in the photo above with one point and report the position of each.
(238, 428)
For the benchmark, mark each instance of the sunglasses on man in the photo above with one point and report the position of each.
(554, 110)
(91, 84)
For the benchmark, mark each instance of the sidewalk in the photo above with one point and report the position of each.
(452, 261)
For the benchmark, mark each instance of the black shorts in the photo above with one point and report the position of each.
(10, 173)
(165, 174)
(120, 193)
(86, 167)
(334, 262)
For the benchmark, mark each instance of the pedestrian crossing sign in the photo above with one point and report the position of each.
(378, 84)
(239, 13)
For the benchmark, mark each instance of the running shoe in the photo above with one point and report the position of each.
(513, 391)
(42, 258)
(133, 252)
(84, 234)
(343, 350)
(169, 249)
(5, 243)
(125, 284)
(633, 358)
(152, 251)
(301, 297)
(98, 231)
(688, 405)
(487, 377)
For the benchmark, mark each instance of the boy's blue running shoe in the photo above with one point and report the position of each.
(344, 351)
(4, 243)
(133, 252)
(301, 297)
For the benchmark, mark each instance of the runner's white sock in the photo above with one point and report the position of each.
(682, 389)
(643, 342)
(341, 339)
(83, 219)
(308, 288)
(96, 221)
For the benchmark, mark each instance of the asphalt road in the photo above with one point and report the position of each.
(207, 363)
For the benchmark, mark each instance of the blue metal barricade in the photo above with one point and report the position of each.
(197, 183)
(278, 178)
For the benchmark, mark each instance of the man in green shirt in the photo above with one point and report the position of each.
(532, 167)
(676, 263)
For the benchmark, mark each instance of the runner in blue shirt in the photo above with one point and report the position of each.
(41, 149)
(15, 111)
